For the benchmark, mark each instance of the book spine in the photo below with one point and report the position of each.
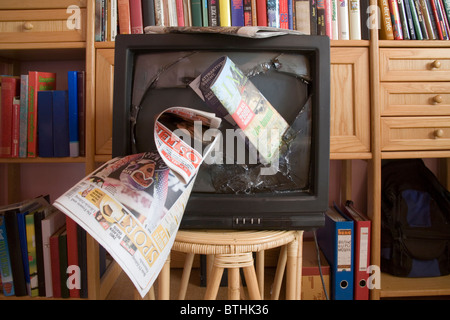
(386, 31)
(23, 115)
(273, 13)
(5, 262)
(355, 19)
(213, 8)
(196, 9)
(225, 13)
(421, 19)
(409, 18)
(313, 17)
(15, 127)
(247, 12)
(31, 250)
(446, 4)
(113, 20)
(81, 86)
(395, 18)
(321, 17)
(403, 19)
(303, 16)
(291, 14)
(334, 20)
(284, 14)
(328, 27)
(123, 10)
(136, 23)
(438, 24)
(415, 20)
(37, 81)
(237, 13)
(9, 89)
(60, 116)
(261, 10)
(72, 253)
(180, 13)
(344, 28)
(159, 13)
(428, 19)
(445, 27)
(72, 97)
(148, 13)
(45, 123)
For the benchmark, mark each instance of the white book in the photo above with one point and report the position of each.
(354, 13)
(343, 20)
(334, 20)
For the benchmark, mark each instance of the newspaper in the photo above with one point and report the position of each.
(133, 205)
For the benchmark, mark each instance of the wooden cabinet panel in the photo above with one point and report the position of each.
(47, 25)
(415, 98)
(104, 84)
(414, 64)
(41, 4)
(415, 133)
(349, 101)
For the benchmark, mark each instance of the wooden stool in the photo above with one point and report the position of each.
(233, 250)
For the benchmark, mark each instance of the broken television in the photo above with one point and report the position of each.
(234, 189)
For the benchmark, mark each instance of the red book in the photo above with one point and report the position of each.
(261, 11)
(72, 252)
(15, 128)
(136, 22)
(123, 9)
(180, 13)
(37, 81)
(10, 88)
(395, 18)
(284, 14)
(54, 254)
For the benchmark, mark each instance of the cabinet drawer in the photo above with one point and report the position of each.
(415, 98)
(415, 64)
(415, 133)
(49, 25)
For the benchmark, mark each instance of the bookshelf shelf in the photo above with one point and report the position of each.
(392, 286)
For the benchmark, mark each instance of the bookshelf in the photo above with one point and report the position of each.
(356, 115)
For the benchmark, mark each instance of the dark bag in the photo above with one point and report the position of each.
(415, 221)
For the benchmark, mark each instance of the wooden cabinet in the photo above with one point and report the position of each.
(349, 103)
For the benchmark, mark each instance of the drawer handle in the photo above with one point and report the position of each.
(437, 99)
(436, 64)
(28, 26)
(438, 133)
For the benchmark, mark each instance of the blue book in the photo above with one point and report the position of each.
(60, 124)
(74, 142)
(237, 13)
(5, 262)
(45, 123)
(336, 241)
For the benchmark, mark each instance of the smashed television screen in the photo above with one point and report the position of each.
(165, 79)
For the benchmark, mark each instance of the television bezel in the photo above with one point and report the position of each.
(296, 210)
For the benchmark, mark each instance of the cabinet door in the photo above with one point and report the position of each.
(104, 84)
(349, 103)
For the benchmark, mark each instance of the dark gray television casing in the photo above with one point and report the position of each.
(279, 210)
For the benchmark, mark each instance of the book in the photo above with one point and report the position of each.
(403, 20)
(81, 86)
(213, 16)
(328, 27)
(321, 18)
(421, 19)
(367, 21)
(343, 18)
(409, 19)
(334, 20)
(136, 22)
(5, 262)
(15, 128)
(55, 262)
(261, 12)
(196, 11)
(442, 19)
(273, 13)
(248, 16)
(205, 19)
(63, 263)
(395, 19)
(291, 14)
(72, 98)
(37, 81)
(159, 13)
(444, 14)
(23, 115)
(313, 12)
(354, 19)
(72, 253)
(284, 14)
(415, 19)
(9, 90)
(439, 23)
(224, 13)
(148, 13)
(251, 111)
(60, 124)
(386, 30)
(40, 215)
(123, 12)
(428, 19)
(303, 16)
(336, 241)
(31, 253)
(237, 13)
(54, 220)
(180, 13)
(45, 124)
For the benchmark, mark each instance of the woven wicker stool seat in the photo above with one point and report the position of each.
(233, 250)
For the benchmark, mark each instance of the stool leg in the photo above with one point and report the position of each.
(260, 271)
(213, 283)
(164, 281)
(291, 269)
(186, 275)
(279, 273)
(252, 283)
(233, 284)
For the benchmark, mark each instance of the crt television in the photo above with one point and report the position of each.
(155, 71)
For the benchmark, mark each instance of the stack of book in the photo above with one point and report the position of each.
(37, 120)
(42, 252)
(415, 19)
(338, 19)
